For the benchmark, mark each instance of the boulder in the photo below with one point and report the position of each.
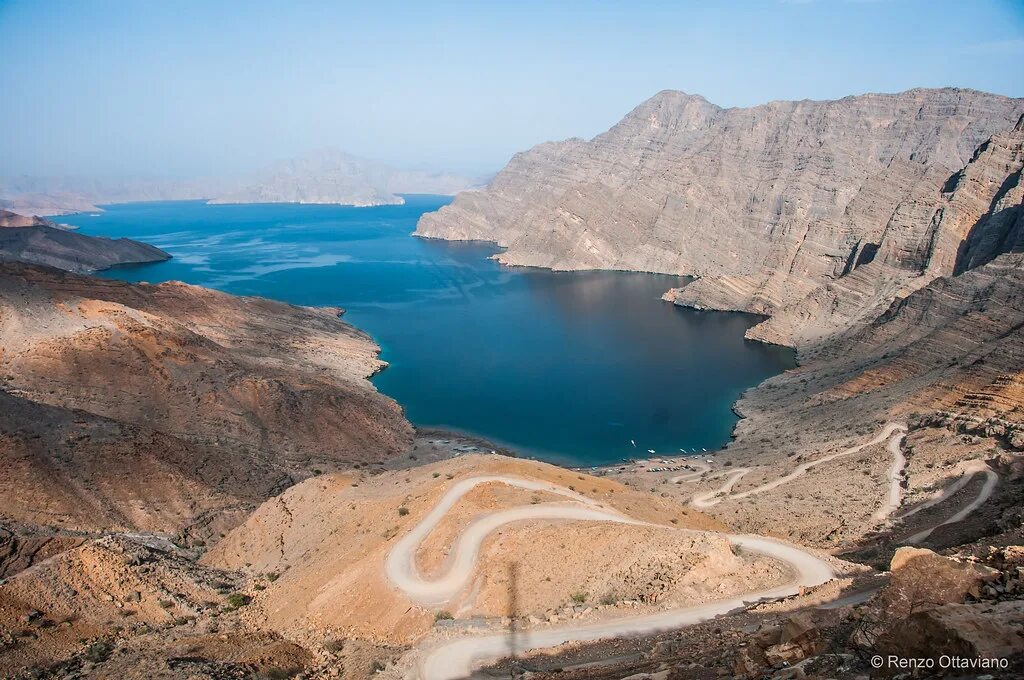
(922, 578)
(785, 654)
(748, 662)
(983, 630)
(801, 631)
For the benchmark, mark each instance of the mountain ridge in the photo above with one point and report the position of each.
(762, 205)
(325, 176)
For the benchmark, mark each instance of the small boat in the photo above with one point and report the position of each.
(633, 443)
(650, 450)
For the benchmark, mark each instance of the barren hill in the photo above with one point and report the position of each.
(215, 400)
(38, 241)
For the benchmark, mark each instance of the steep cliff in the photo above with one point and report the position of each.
(972, 220)
(763, 205)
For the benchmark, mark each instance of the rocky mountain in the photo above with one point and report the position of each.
(974, 218)
(324, 177)
(38, 241)
(763, 205)
(159, 407)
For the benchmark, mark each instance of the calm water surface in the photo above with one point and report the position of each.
(568, 367)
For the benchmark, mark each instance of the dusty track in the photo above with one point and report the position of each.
(400, 565)
(711, 498)
(970, 470)
(458, 658)
(896, 476)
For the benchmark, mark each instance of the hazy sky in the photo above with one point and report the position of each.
(189, 88)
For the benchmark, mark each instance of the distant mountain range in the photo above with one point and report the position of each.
(326, 177)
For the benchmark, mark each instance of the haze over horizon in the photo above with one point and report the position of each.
(188, 90)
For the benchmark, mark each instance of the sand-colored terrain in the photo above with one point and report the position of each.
(329, 539)
(217, 401)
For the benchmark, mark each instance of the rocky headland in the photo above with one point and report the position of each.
(766, 206)
(39, 241)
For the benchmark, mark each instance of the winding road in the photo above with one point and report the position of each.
(896, 477)
(722, 493)
(458, 658)
(970, 470)
(400, 565)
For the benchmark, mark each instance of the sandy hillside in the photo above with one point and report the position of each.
(325, 542)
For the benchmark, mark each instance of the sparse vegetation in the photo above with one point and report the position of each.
(334, 645)
(579, 597)
(443, 616)
(376, 667)
(237, 600)
(403, 511)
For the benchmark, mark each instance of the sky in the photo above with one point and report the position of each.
(186, 89)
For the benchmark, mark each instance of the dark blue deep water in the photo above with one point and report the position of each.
(568, 367)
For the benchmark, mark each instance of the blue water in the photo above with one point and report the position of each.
(568, 367)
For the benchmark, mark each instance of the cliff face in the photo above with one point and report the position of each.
(151, 406)
(44, 243)
(972, 220)
(764, 205)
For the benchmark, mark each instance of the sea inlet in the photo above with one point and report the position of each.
(581, 368)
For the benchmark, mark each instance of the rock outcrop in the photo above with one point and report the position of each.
(42, 242)
(975, 218)
(154, 407)
(765, 205)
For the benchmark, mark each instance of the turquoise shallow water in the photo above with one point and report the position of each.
(568, 367)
